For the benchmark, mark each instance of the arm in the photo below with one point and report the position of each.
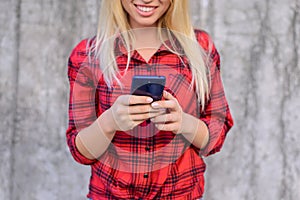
(93, 141)
(82, 101)
(179, 122)
(207, 133)
(198, 136)
(216, 114)
(126, 113)
(90, 132)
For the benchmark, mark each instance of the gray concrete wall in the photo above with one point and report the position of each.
(259, 44)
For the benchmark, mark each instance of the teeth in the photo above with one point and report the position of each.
(145, 9)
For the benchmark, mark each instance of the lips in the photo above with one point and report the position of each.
(145, 10)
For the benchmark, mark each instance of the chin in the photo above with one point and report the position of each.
(147, 24)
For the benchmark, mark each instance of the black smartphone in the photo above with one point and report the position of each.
(152, 86)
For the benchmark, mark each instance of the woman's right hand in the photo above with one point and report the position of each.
(128, 111)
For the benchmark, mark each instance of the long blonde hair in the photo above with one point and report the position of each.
(113, 21)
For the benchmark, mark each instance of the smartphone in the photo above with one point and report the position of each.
(152, 86)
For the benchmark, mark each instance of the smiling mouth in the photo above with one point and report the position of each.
(145, 8)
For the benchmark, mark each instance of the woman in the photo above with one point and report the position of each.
(130, 158)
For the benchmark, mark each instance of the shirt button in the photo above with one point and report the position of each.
(147, 148)
(146, 175)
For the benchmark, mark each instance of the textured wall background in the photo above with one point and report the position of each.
(259, 42)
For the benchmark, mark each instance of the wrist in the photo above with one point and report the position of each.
(107, 122)
(188, 124)
(195, 131)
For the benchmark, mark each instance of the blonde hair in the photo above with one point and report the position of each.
(113, 21)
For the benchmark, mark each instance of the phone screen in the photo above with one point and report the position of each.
(152, 86)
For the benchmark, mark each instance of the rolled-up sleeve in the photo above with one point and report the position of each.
(82, 104)
(216, 114)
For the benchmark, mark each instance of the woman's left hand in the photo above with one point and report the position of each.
(172, 119)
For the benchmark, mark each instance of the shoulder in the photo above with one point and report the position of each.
(81, 61)
(81, 51)
(206, 42)
(204, 39)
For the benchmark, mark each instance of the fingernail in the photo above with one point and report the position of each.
(162, 110)
(155, 105)
(149, 100)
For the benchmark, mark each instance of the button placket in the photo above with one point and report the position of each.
(149, 68)
(146, 175)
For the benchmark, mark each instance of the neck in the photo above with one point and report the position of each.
(147, 37)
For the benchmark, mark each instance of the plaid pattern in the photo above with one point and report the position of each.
(145, 163)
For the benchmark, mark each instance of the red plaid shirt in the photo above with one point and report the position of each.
(145, 163)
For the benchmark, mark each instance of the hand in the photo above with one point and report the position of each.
(128, 111)
(172, 120)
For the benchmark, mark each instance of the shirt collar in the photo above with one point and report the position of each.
(120, 48)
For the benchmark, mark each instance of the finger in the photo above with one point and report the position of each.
(145, 116)
(167, 95)
(170, 104)
(167, 127)
(137, 109)
(133, 125)
(125, 125)
(134, 99)
(165, 118)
